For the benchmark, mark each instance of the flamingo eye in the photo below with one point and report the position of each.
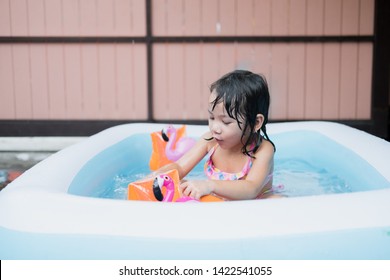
(166, 178)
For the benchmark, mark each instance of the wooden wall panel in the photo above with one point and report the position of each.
(108, 81)
(56, 81)
(350, 17)
(91, 89)
(74, 81)
(313, 81)
(296, 82)
(278, 81)
(348, 80)
(333, 16)
(71, 15)
(22, 81)
(5, 18)
(262, 17)
(7, 82)
(297, 19)
(39, 82)
(331, 81)
(279, 17)
(363, 81)
(366, 17)
(315, 17)
(72, 18)
(306, 81)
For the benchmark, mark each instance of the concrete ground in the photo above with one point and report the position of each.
(17, 154)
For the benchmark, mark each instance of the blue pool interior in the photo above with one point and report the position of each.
(306, 163)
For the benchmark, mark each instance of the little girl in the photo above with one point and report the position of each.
(240, 158)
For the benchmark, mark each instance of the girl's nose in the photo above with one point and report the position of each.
(215, 128)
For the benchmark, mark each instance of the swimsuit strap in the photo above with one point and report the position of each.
(213, 172)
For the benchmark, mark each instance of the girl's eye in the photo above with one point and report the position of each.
(226, 122)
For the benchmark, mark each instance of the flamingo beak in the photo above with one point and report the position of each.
(164, 135)
(157, 185)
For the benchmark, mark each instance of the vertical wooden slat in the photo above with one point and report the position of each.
(192, 17)
(7, 91)
(73, 82)
(107, 86)
(56, 81)
(192, 89)
(209, 74)
(138, 17)
(175, 18)
(105, 17)
(39, 82)
(315, 17)
(348, 81)
(296, 81)
(210, 17)
(161, 88)
(22, 81)
(350, 17)
(123, 23)
(297, 17)
(140, 75)
(71, 17)
(5, 18)
(245, 57)
(332, 20)
(88, 18)
(366, 17)
(227, 17)
(278, 81)
(364, 81)
(331, 81)
(279, 20)
(19, 18)
(159, 17)
(91, 90)
(245, 17)
(313, 86)
(36, 18)
(53, 17)
(263, 19)
(263, 58)
(140, 82)
(125, 80)
(227, 58)
(176, 81)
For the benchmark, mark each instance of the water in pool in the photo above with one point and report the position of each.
(292, 177)
(306, 163)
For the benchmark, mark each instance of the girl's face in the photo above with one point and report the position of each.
(224, 129)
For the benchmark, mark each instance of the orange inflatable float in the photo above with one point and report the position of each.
(164, 188)
(168, 145)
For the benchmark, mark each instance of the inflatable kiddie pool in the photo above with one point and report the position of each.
(51, 212)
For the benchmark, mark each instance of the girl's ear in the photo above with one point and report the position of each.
(259, 122)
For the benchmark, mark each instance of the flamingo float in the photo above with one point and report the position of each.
(166, 181)
(175, 150)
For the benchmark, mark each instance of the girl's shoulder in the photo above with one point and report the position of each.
(266, 149)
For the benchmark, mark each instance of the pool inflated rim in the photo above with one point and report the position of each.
(38, 201)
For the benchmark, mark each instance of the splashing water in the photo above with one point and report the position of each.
(298, 178)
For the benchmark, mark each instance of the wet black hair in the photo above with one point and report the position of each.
(244, 95)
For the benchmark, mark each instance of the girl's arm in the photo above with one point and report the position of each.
(249, 188)
(188, 161)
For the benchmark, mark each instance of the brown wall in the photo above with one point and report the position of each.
(109, 80)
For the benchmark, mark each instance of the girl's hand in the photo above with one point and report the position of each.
(195, 188)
